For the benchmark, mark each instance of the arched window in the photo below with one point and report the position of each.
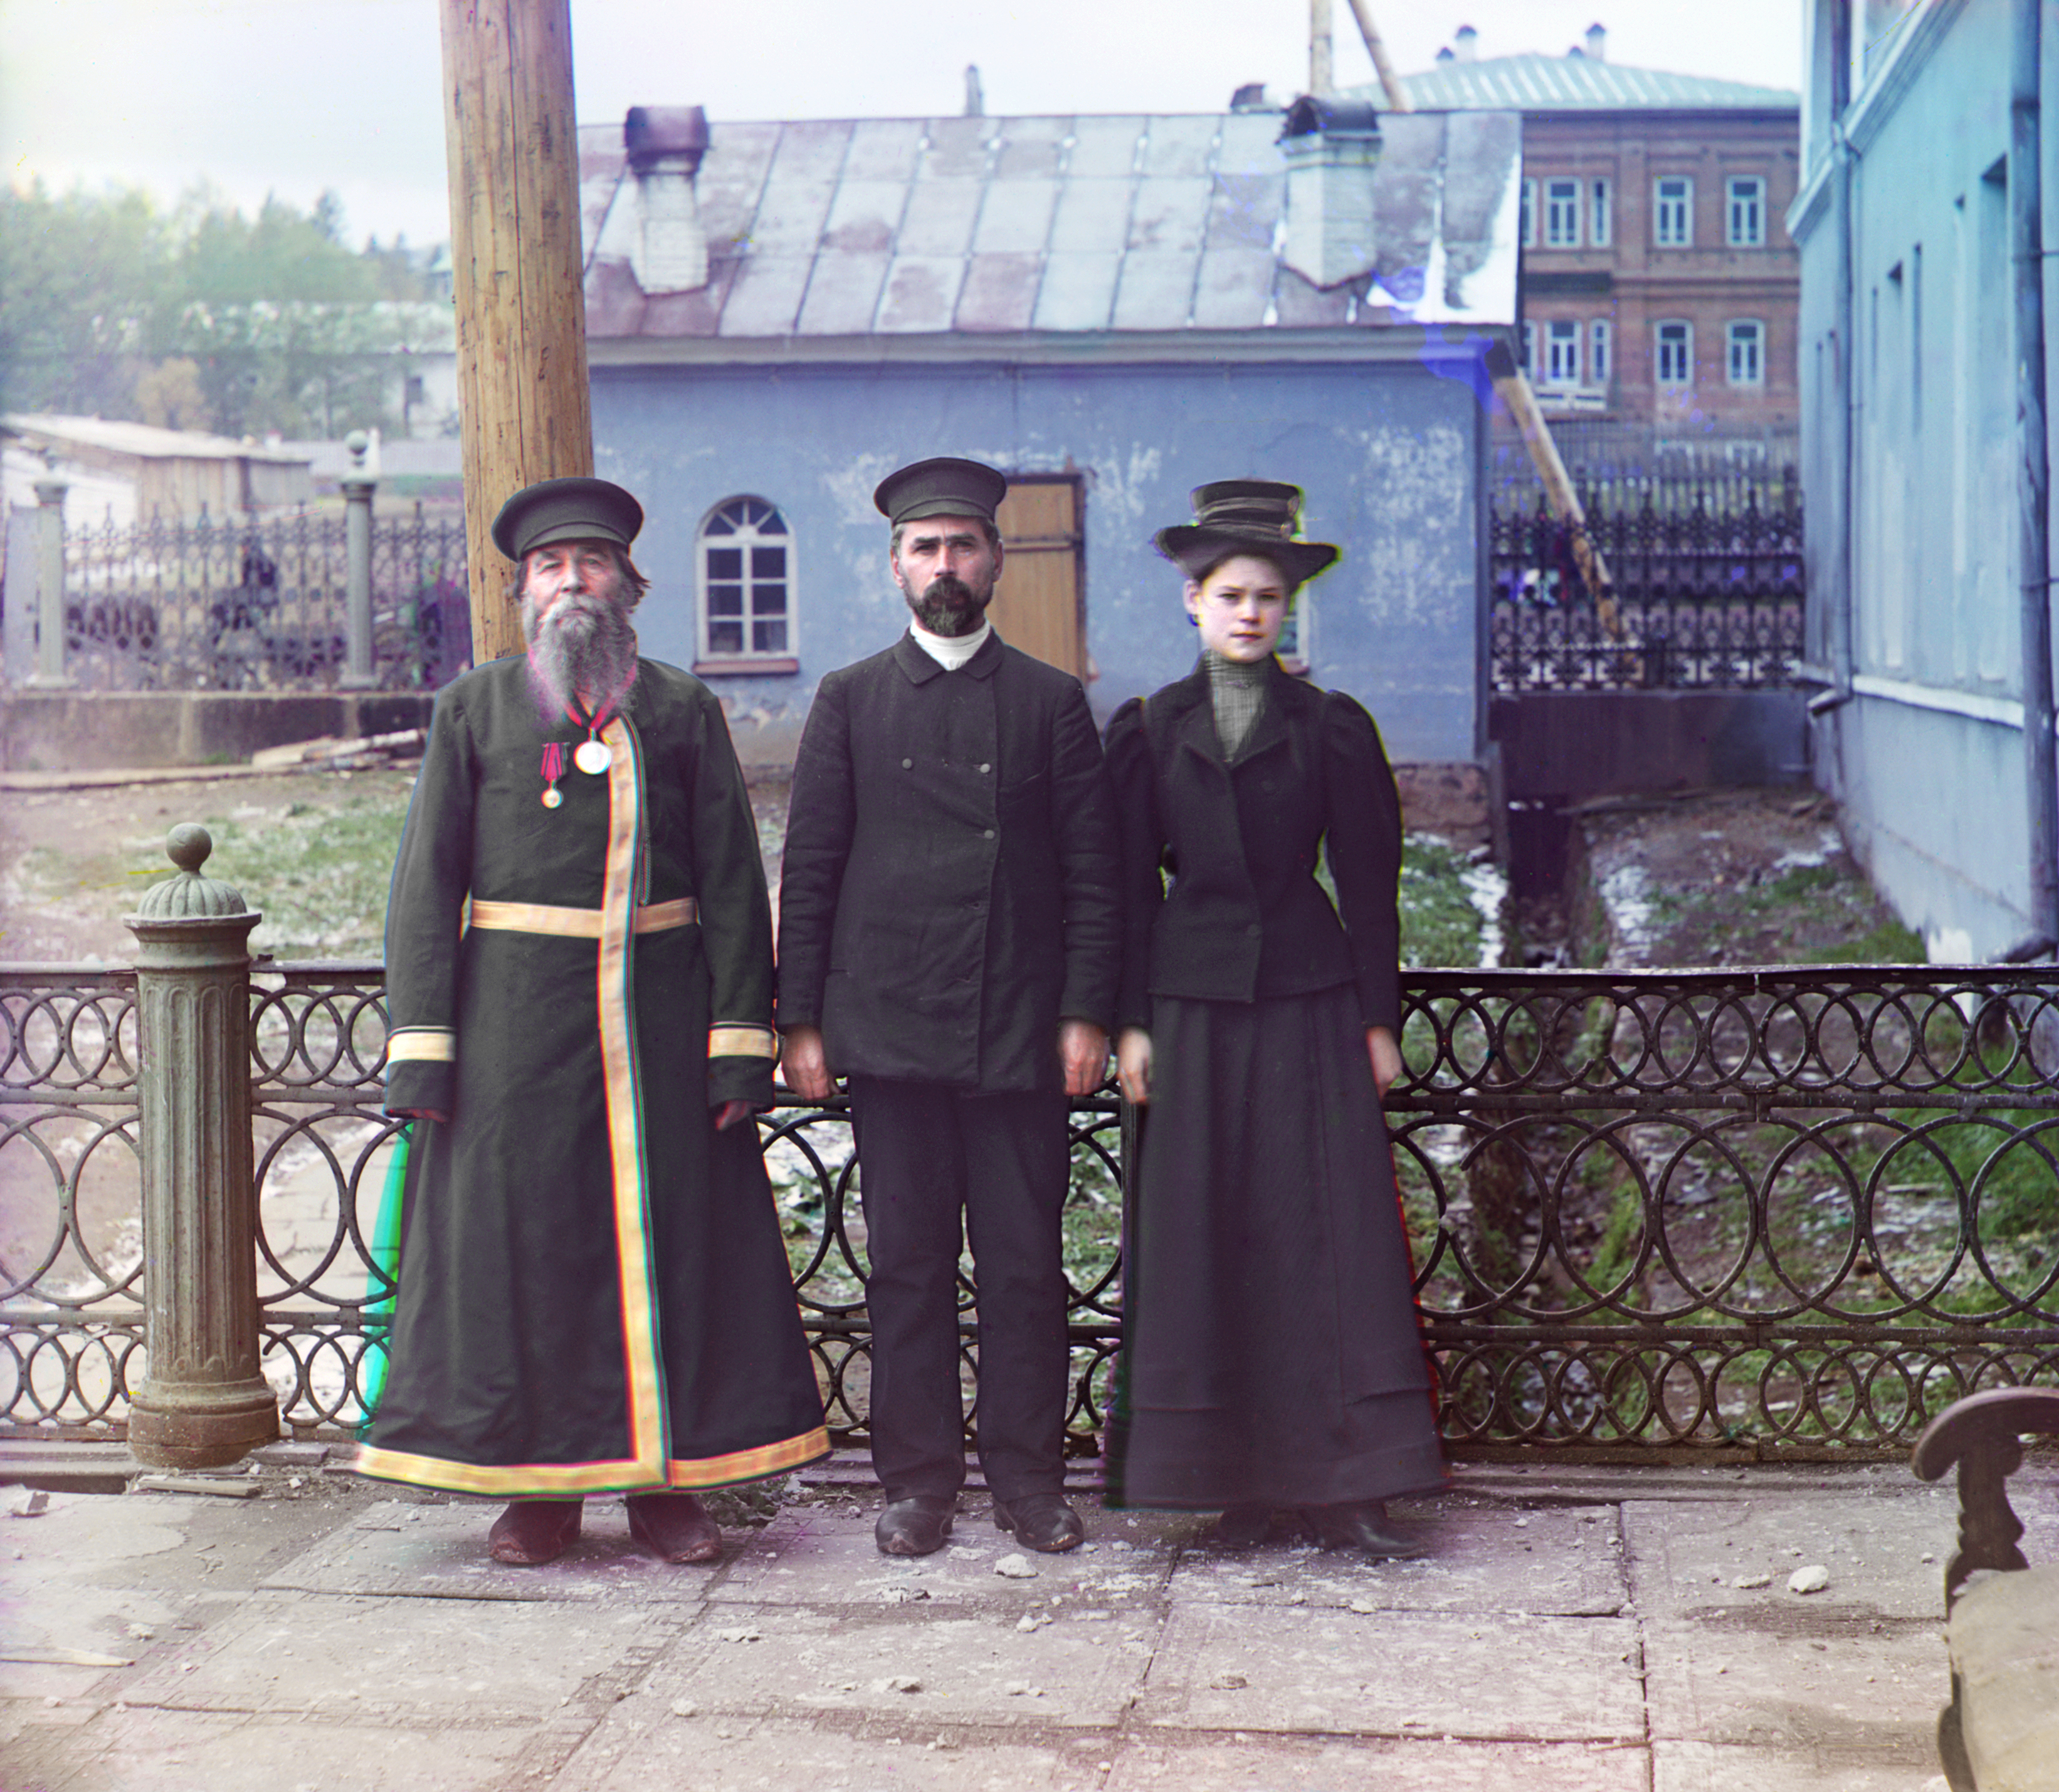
(746, 589)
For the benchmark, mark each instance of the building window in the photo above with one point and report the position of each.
(1530, 362)
(1601, 221)
(1562, 214)
(746, 569)
(1746, 359)
(1747, 212)
(1527, 224)
(1676, 354)
(1600, 358)
(1562, 353)
(1673, 212)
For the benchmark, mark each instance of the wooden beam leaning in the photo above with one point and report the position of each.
(1390, 82)
(1513, 386)
(525, 410)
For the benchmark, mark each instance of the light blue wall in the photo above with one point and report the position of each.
(1934, 800)
(1388, 456)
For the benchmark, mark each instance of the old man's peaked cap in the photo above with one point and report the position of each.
(566, 510)
(941, 487)
(1245, 516)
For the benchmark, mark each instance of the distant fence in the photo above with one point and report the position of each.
(261, 605)
(1795, 1211)
(1701, 586)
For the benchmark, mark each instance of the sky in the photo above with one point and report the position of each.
(291, 96)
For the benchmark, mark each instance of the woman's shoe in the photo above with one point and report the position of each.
(674, 1527)
(1243, 1527)
(1364, 1524)
(532, 1532)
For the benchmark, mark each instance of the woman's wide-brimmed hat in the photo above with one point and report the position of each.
(1250, 517)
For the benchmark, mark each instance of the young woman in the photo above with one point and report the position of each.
(1272, 1358)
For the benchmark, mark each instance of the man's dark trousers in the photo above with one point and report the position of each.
(927, 1152)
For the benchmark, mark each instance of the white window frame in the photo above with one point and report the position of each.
(1672, 213)
(1530, 363)
(750, 523)
(1601, 213)
(1744, 211)
(1684, 343)
(1562, 353)
(1744, 341)
(1601, 352)
(1527, 227)
(1562, 213)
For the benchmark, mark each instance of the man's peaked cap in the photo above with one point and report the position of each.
(566, 510)
(941, 487)
(1246, 516)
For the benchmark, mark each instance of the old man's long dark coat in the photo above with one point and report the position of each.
(594, 1293)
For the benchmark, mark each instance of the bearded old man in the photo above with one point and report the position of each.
(949, 939)
(593, 1294)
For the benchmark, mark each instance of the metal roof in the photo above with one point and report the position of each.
(906, 227)
(1574, 82)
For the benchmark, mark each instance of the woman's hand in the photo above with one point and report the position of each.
(1386, 1056)
(1133, 1064)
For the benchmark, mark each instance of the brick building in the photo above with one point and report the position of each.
(1660, 286)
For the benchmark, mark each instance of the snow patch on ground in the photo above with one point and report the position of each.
(1827, 847)
(1487, 889)
(1626, 893)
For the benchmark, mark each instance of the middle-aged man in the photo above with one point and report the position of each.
(593, 1294)
(949, 937)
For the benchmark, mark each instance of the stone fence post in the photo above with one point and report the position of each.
(358, 486)
(51, 673)
(204, 1403)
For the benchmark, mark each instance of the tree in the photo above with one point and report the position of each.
(281, 325)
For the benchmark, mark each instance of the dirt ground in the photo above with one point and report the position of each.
(1712, 877)
(1726, 877)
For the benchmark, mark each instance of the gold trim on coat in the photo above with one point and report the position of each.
(546, 918)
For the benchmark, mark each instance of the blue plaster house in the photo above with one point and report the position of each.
(1911, 443)
(1114, 310)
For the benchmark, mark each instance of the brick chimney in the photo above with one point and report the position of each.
(1333, 148)
(1597, 44)
(665, 144)
(1465, 44)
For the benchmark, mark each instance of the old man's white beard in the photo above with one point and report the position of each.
(583, 654)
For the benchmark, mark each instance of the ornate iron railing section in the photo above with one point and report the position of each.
(1799, 1210)
(259, 605)
(1704, 590)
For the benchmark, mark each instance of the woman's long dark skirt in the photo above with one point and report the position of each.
(1272, 1354)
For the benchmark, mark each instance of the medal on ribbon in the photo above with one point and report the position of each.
(554, 769)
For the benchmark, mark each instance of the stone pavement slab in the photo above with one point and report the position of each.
(912, 1667)
(1493, 1675)
(405, 1549)
(1705, 1559)
(1715, 1767)
(486, 1661)
(232, 1751)
(1484, 1556)
(1333, 1764)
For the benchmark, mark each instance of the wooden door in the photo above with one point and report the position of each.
(1040, 604)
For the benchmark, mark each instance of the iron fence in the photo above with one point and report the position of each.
(259, 604)
(1799, 1211)
(1699, 586)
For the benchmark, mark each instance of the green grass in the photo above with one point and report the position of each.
(1439, 925)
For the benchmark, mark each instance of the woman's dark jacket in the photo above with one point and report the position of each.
(1239, 916)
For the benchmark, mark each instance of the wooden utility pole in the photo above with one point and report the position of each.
(524, 410)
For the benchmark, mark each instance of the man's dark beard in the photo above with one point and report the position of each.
(948, 607)
(583, 652)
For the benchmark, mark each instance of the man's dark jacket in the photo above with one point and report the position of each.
(1245, 919)
(949, 891)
